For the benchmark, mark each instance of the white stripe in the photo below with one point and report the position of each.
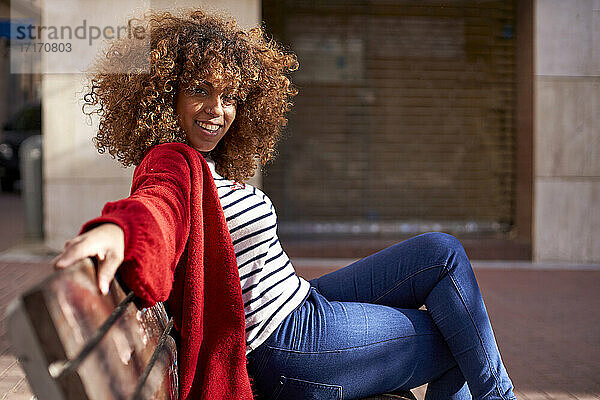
(275, 282)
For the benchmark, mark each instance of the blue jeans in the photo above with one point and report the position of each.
(360, 331)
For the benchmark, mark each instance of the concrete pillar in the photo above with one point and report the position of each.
(567, 132)
(78, 180)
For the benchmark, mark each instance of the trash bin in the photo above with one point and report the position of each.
(30, 154)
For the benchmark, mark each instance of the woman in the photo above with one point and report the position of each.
(223, 92)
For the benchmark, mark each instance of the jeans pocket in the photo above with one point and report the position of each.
(299, 389)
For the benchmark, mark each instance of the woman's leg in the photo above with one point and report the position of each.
(451, 385)
(432, 270)
(333, 350)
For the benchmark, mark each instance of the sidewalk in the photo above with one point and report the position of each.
(546, 321)
(14, 278)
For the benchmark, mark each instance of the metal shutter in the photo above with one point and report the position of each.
(404, 120)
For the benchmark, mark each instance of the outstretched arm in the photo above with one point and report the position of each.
(145, 234)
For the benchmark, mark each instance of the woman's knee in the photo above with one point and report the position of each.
(442, 239)
(447, 244)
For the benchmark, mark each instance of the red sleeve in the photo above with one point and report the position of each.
(156, 222)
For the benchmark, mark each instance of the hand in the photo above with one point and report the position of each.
(106, 242)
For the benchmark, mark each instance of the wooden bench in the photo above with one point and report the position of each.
(74, 343)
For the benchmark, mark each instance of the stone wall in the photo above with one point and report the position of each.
(567, 131)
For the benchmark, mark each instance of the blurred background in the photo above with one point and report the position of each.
(480, 118)
(411, 116)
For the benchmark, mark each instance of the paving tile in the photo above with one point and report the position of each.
(23, 387)
(18, 396)
(521, 395)
(561, 395)
(13, 384)
(586, 396)
(420, 392)
(6, 362)
(539, 395)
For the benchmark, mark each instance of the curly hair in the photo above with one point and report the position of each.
(137, 107)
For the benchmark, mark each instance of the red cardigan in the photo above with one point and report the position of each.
(178, 249)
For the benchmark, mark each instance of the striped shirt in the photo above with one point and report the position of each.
(271, 290)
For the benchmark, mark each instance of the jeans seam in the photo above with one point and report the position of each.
(487, 357)
(261, 365)
(347, 348)
(406, 279)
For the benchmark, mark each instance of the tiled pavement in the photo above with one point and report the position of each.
(546, 319)
(14, 278)
(547, 324)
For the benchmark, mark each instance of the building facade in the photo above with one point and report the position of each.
(467, 117)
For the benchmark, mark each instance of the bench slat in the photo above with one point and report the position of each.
(60, 316)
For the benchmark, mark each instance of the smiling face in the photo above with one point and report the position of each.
(205, 113)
